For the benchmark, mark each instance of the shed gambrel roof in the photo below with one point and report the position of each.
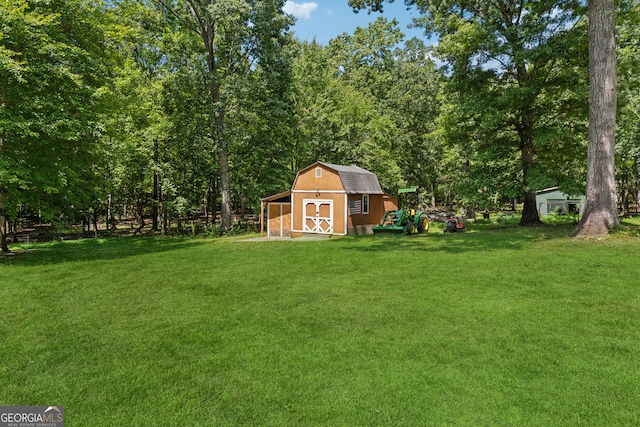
(356, 180)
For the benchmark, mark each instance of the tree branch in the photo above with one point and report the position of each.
(172, 11)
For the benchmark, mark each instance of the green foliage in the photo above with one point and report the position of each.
(364, 100)
(263, 125)
(509, 92)
(338, 122)
(513, 94)
(628, 118)
(245, 123)
(365, 58)
(412, 100)
(142, 106)
(56, 59)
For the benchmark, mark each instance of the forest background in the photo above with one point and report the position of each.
(169, 109)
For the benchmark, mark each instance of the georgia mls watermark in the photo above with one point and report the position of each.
(31, 416)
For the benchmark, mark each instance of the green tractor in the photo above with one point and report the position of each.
(403, 221)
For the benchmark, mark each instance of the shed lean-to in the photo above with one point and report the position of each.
(278, 215)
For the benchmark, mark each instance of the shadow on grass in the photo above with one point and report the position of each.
(476, 239)
(91, 250)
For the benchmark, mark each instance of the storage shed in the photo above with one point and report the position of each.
(328, 199)
(552, 200)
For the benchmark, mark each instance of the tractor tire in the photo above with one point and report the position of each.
(409, 228)
(423, 224)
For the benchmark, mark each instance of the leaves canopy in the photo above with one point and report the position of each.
(509, 89)
(56, 59)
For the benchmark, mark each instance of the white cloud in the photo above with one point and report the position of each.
(300, 10)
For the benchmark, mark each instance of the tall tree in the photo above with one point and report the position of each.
(600, 212)
(338, 121)
(55, 61)
(628, 109)
(264, 117)
(365, 58)
(136, 127)
(503, 56)
(229, 32)
(412, 100)
(220, 26)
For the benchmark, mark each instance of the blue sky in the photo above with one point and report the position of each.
(326, 19)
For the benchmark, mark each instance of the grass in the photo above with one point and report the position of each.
(496, 326)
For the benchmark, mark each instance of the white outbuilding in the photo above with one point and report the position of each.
(550, 200)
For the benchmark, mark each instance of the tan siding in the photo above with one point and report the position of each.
(273, 225)
(390, 203)
(279, 221)
(329, 187)
(339, 208)
(286, 220)
(306, 180)
(376, 211)
(377, 208)
(297, 201)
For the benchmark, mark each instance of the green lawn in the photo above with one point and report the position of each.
(496, 326)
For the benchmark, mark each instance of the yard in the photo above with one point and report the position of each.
(496, 326)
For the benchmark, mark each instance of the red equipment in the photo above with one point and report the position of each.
(454, 224)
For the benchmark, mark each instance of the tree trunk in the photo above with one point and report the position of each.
(111, 222)
(211, 200)
(166, 224)
(530, 217)
(154, 207)
(225, 180)
(95, 224)
(140, 214)
(161, 211)
(625, 196)
(433, 196)
(225, 183)
(600, 213)
(471, 213)
(4, 248)
(207, 33)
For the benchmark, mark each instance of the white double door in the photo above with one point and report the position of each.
(317, 216)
